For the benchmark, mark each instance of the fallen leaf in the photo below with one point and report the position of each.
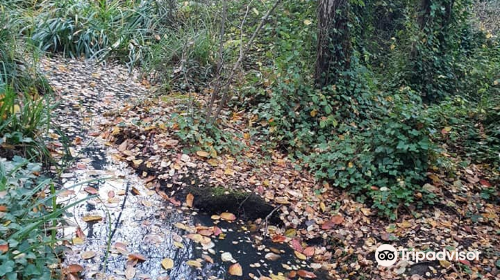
(136, 256)
(278, 238)
(300, 256)
(90, 219)
(202, 153)
(91, 190)
(306, 274)
(337, 219)
(194, 263)
(236, 270)
(129, 272)
(4, 248)
(228, 216)
(226, 257)
(189, 200)
(309, 251)
(74, 268)
(88, 255)
(167, 263)
(135, 191)
(272, 256)
(296, 245)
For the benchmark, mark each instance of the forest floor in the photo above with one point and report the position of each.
(298, 227)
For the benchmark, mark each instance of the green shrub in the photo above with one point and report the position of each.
(27, 226)
(384, 164)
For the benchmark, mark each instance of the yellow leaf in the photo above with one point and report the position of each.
(194, 263)
(178, 244)
(313, 113)
(280, 276)
(405, 224)
(300, 256)
(322, 206)
(167, 263)
(116, 130)
(307, 22)
(17, 109)
(202, 153)
(444, 263)
(213, 162)
(236, 270)
(77, 241)
(290, 232)
(90, 219)
(228, 216)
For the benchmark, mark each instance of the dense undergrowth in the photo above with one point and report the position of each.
(417, 95)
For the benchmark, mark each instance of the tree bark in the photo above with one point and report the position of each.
(334, 43)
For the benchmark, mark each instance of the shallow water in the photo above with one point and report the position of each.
(123, 209)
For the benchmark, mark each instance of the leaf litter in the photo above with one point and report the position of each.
(327, 229)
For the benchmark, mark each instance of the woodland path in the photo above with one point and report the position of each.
(121, 216)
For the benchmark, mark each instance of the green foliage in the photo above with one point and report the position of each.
(99, 28)
(200, 134)
(22, 120)
(17, 67)
(24, 226)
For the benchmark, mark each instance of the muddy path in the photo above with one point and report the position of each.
(124, 230)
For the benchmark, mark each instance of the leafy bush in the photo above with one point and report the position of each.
(27, 222)
(384, 164)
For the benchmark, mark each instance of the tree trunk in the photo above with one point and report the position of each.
(334, 44)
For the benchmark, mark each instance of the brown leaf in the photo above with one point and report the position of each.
(337, 219)
(74, 268)
(91, 190)
(135, 191)
(4, 248)
(137, 256)
(296, 245)
(236, 270)
(309, 251)
(306, 274)
(278, 238)
(189, 200)
(3, 208)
